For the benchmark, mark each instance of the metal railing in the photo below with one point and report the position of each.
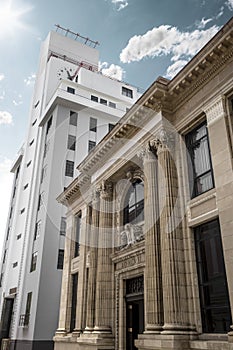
(24, 320)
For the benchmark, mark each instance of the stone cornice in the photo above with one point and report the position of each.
(74, 190)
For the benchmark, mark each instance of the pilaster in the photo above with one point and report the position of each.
(91, 287)
(220, 140)
(104, 284)
(173, 270)
(153, 279)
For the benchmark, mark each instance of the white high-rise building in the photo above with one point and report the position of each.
(73, 107)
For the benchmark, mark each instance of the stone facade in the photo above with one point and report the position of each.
(154, 205)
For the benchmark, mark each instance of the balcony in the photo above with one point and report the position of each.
(24, 320)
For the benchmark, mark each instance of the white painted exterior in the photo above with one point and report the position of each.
(52, 99)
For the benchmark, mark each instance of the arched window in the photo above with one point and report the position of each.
(134, 203)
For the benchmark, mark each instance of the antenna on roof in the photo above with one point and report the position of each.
(69, 33)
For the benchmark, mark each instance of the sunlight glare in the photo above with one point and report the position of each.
(11, 18)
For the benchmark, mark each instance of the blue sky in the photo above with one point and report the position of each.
(139, 41)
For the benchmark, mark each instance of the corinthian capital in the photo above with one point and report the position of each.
(105, 189)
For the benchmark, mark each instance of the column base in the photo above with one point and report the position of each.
(153, 329)
(60, 332)
(163, 342)
(88, 330)
(94, 341)
(170, 329)
(230, 335)
(102, 330)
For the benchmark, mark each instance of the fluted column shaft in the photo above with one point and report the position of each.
(103, 315)
(154, 298)
(91, 287)
(173, 272)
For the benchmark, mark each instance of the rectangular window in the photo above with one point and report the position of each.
(73, 118)
(43, 173)
(1, 278)
(4, 257)
(213, 291)
(70, 90)
(39, 203)
(91, 145)
(77, 234)
(37, 230)
(34, 122)
(127, 92)
(46, 148)
(63, 226)
(71, 142)
(15, 264)
(33, 262)
(31, 142)
(94, 98)
(93, 124)
(112, 104)
(8, 232)
(28, 164)
(60, 259)
(199, 161)
(103, 101)
(19, 236)
(22, 211)
(25, 186)
(28, 309)
(69, 168)
(74, 301)
(49, 124)
(110, 127)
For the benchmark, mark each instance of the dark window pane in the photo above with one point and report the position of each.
(134, 204)
(73, 118)
(69, 168)
(93, 124)
(199, 161)
(216, 315)
(91, 145)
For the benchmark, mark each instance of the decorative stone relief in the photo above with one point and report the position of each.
(131, 235)
(216, 110)
(105, 189)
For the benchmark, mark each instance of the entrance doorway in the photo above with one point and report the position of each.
(134, 311)
(6, 317)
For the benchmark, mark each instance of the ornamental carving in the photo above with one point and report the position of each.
(135, 285)
(133, 175)
(216, 110)
(131, 235)
(105, 189)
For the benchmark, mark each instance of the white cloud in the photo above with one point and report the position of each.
(2, 95)
(166, 40)
(175, 68)
(30, 79)
(229, 3)
(5, 189)
(5, 118)
(221, 11)
(113, 71)
(120, 4)
(201, 24)
(2, 76)
(18, 101)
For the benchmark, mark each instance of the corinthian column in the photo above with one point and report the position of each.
(103, 314)
(91, 287)
(173, 271)
(153, 290)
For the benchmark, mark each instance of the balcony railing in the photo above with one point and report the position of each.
(24, 320)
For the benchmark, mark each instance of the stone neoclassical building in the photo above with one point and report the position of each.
(149, 244)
